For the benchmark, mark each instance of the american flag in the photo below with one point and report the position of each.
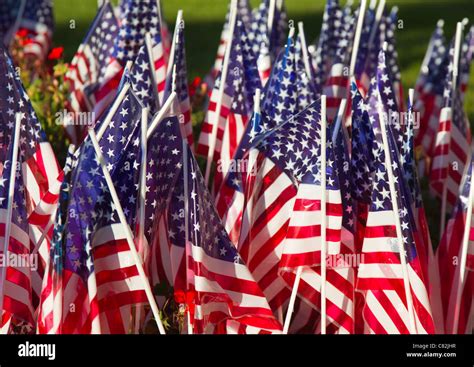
(244, 11)
(429, 97)
(452, 145)
(327, 42)
(16, 288)
(39, 168)
(38, 22)
(280, 101)
(450, 248)
(143, 80)
(138, 18)
(37, 172)
(49, 309)
(381, 275)
(230, 198)
(226, 298)
(241, 81)
(9, 13)
(337, 85)
(362, 160)
(302, 243)
(267, 43)
(89, 66)
(182, 106)
(305, 82)
(422, 234)
(98, 274)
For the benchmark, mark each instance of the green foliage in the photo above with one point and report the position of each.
(44, 82)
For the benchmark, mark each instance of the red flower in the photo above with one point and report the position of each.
(22, 33)
(56, 53)
(196, 83)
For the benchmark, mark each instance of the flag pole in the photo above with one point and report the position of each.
(271, 17)
(457, 51)
(141, 228)
(160, 115)
(188, 248)
(304, 48)
(299, 270)
(225, 66)
(11, 193)
(378, 18)
(358, 33)
(128, 233)
(338, 124)
(463, 260)
(393, 195)
(323, 214)
(179, 20)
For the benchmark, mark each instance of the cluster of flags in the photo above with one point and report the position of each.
(308, 216)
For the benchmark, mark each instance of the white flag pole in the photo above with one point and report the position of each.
(461, 276)
(299, 270)
(378, 18)
(457, 51)
(178, 25)
(188, 245)
(393, 194)
(225, 67)
(141, 227)
(128, 233)
(160, 115)
(160, 18)
(271, 17)
(11, 192)
(339, 119)
(304, 48)
(323, 214)
(358, 33)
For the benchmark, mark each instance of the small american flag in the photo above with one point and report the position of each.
(138, 18)
(280, 100)
(39, 168)
(429, 97)
(449, 248)
(50, 307)
(337, 85)
(243, 9)
(241, 81)
(327, 42)
(226, 298)
(9, 13)
(230, 197)
(182, 106)
(98, 274)
(143, 80)
(89, 66)
(37, 172)
(38, 22)
(452, 146)
(302, 244)
(380, 277)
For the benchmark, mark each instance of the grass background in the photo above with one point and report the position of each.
(204, 20)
